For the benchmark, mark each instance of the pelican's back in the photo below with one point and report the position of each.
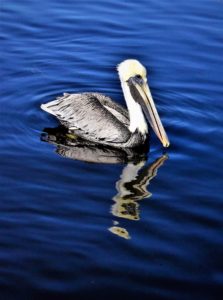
(91, 116)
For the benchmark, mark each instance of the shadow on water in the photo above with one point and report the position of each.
(134, 179)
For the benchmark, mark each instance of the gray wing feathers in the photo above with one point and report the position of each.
(87, 116)
(116, 109)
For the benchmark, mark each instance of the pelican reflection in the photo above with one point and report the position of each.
(132, 187)
(134, 179)
(74, 147)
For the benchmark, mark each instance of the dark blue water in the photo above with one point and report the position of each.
(150, 229)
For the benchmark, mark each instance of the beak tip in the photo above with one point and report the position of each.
(166, 144)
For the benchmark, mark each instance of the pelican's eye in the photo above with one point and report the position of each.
(136, 78)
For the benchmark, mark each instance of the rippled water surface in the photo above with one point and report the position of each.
(148, 228)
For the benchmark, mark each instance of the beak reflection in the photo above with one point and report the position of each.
(140, 92)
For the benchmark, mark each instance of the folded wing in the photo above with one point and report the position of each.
(92, 116)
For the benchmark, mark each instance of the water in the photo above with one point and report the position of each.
(77, 230)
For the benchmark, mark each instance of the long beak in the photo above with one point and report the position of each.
(141, 93)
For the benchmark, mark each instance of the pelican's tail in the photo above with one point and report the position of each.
(51, 107)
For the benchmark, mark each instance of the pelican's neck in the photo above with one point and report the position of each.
(136, 117)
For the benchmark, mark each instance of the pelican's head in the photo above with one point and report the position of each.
(134, 83)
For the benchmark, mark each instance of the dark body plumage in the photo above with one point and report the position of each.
(96, 118)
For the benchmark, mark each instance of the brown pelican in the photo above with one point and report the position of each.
(98, 119)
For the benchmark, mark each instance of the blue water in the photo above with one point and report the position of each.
(77, 230)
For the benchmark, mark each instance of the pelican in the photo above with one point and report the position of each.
(97, 118)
